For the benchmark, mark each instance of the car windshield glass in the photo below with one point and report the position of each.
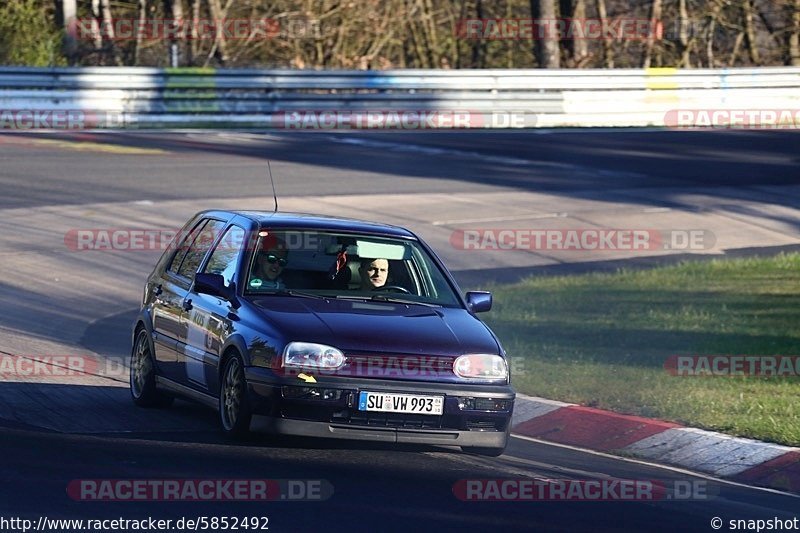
(347, 265)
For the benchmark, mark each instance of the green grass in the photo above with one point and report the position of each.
(602, 340)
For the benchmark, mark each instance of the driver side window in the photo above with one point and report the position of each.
(224, 258)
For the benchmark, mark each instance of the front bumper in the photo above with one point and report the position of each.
(329, 408)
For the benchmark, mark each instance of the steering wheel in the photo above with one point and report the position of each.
(397, 288)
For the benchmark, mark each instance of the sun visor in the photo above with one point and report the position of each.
(382, 250)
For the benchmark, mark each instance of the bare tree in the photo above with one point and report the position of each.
(683, 35)
(577, 47)
(749, 31)
(608, 51)
(794, 33)
(546, 48)
(655, 17)
(97, 35)
(69, 13)
(142, 21)
(176, 42)
(220, 48)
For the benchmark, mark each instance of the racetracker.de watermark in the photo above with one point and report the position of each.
(756, 119)
(208, 490)
(55, 365)
(125, 29)
(733, 365)
(400, 119)
(395, 367)
(581, 240)
(534, 490)
(62, 119)
(159, 239)
(524, 29)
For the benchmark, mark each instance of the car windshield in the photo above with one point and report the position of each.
(346, 265)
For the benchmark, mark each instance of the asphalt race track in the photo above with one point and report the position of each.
(743, 188)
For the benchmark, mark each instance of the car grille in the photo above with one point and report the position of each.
(348, 416)
(399, 366)
(484, 425)
(388, 420)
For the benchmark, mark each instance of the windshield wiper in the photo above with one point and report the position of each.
(300, 294)
(395, 300)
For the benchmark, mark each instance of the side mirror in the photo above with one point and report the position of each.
(214, 284)
(479, 301)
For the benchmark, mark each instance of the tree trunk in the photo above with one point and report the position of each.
(96, 29)
(710, 31)
(69, 13)
(736, 45)
(577, 46)
(175, 10)
(546, 48)
(142, 21)
(220, 49)
(683, 35)
(580, 52)
(655, 17)
(794, 35)
(608, 51)
(478, 44)
(193, 45)
(750, 32)
(712, 26)
(431, 40)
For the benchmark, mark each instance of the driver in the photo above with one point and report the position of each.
(268, 267)
(374, 273)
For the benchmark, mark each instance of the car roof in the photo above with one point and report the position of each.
(322, 222)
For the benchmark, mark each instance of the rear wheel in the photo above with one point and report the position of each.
(143, 375)
(234, 410)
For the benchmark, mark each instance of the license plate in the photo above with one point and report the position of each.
(388, 402)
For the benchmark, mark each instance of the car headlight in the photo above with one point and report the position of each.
(312, 355)
(482, 367)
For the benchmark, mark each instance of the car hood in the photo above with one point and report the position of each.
(378, 327)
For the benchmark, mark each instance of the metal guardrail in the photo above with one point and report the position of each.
(150, 97)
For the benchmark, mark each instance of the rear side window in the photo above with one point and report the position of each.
(197, 250)
(183, 246)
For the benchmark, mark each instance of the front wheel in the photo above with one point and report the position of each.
(234, 410)
(143, 375)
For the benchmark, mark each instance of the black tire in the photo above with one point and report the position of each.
(234, 408)
(143, 375)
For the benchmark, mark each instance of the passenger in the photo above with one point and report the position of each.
(374, 273)
(269, 264)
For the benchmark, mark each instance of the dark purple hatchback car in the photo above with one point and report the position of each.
(320, 326)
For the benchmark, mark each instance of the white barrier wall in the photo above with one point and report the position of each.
(111, 97)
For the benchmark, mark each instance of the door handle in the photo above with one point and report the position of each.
(187, 305)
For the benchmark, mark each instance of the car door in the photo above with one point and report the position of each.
(170, 291)
(180, 278)
(209, 318)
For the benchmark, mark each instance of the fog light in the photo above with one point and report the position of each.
(483, 404)
(466, 404)
(491, 404)
(310, 393)
(329, 394)
(295, 392)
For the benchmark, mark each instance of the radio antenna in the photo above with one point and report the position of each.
(274, 196)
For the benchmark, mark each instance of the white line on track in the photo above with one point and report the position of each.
(675, 469)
